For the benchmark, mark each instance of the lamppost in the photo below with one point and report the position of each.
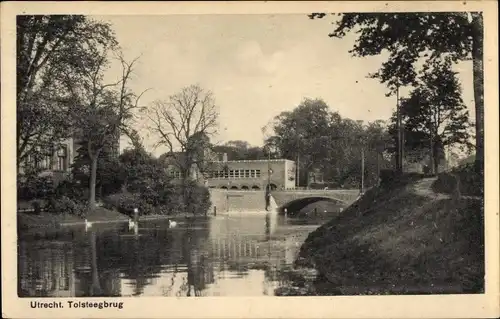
(269, 172)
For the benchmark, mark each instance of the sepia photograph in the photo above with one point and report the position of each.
(268, 154)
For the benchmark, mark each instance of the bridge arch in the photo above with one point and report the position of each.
(295, 206)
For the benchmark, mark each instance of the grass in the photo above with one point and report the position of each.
(399, 240)
(51, 220)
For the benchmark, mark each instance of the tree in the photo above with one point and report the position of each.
(178, 122)
(101, 111)
(141, 170)
(412, 37)
(47, 48)
(434, 115)
(108, 172)
(301, 134)
(240, 150)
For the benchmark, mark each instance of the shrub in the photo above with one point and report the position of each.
(170, 200)
(65, 205)
(73, 190)
(197, 199)
(471, 182)
(387, 177)
(126, 202)
(39, 187)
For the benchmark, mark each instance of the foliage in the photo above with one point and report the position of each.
(470, 183)
(141, 171)
(109, 169)
(48, 48)
(101, 111)
(73, 190)
(434, 115)
(302, 132)
(411, 38)
(66, 205)
(183, 123)
(166, 201)
(34, 186)
(321, 139)
(126, 202)
(240, 150)
(197, 199)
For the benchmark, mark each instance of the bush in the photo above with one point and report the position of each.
(387, 177)
(35, 187)
(198, 199)
(73, 190)
(471, 182)
(65, 205)
(126, 202)
(168, 200)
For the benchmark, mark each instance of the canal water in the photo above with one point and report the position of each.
(232, 254)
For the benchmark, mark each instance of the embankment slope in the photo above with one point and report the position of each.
(404, 239)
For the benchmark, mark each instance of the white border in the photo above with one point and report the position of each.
(448, 306)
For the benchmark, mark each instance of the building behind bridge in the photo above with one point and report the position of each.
(252, 174)
(243, 174)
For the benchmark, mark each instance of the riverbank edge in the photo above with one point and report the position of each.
(99, 215)
(353, 252)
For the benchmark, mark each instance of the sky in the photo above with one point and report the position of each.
(257, 66)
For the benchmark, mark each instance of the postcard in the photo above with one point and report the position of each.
(250, 159)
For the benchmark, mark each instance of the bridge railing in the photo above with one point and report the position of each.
(305, 190)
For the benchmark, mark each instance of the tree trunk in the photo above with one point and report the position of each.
(93, 176)
(477, 62)
(435, 158)
(92, 184)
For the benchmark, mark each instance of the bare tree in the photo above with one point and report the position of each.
(184, 123)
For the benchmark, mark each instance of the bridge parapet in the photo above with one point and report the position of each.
(346, 196)
(343, 197)
(241, 200)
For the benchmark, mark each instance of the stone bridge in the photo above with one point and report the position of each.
(295, 200)
(292, 200)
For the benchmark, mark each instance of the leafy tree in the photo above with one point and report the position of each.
(434, 115)
(141, 170)
(240, 150)
(101, 111)
(47, 48)
(323, 140)
(412, 37)
(108, 174)
(301, 133)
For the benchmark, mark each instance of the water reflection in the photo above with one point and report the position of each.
(237, 254)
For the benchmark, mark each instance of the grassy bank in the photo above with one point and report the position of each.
(48, 219)
(403, 239)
